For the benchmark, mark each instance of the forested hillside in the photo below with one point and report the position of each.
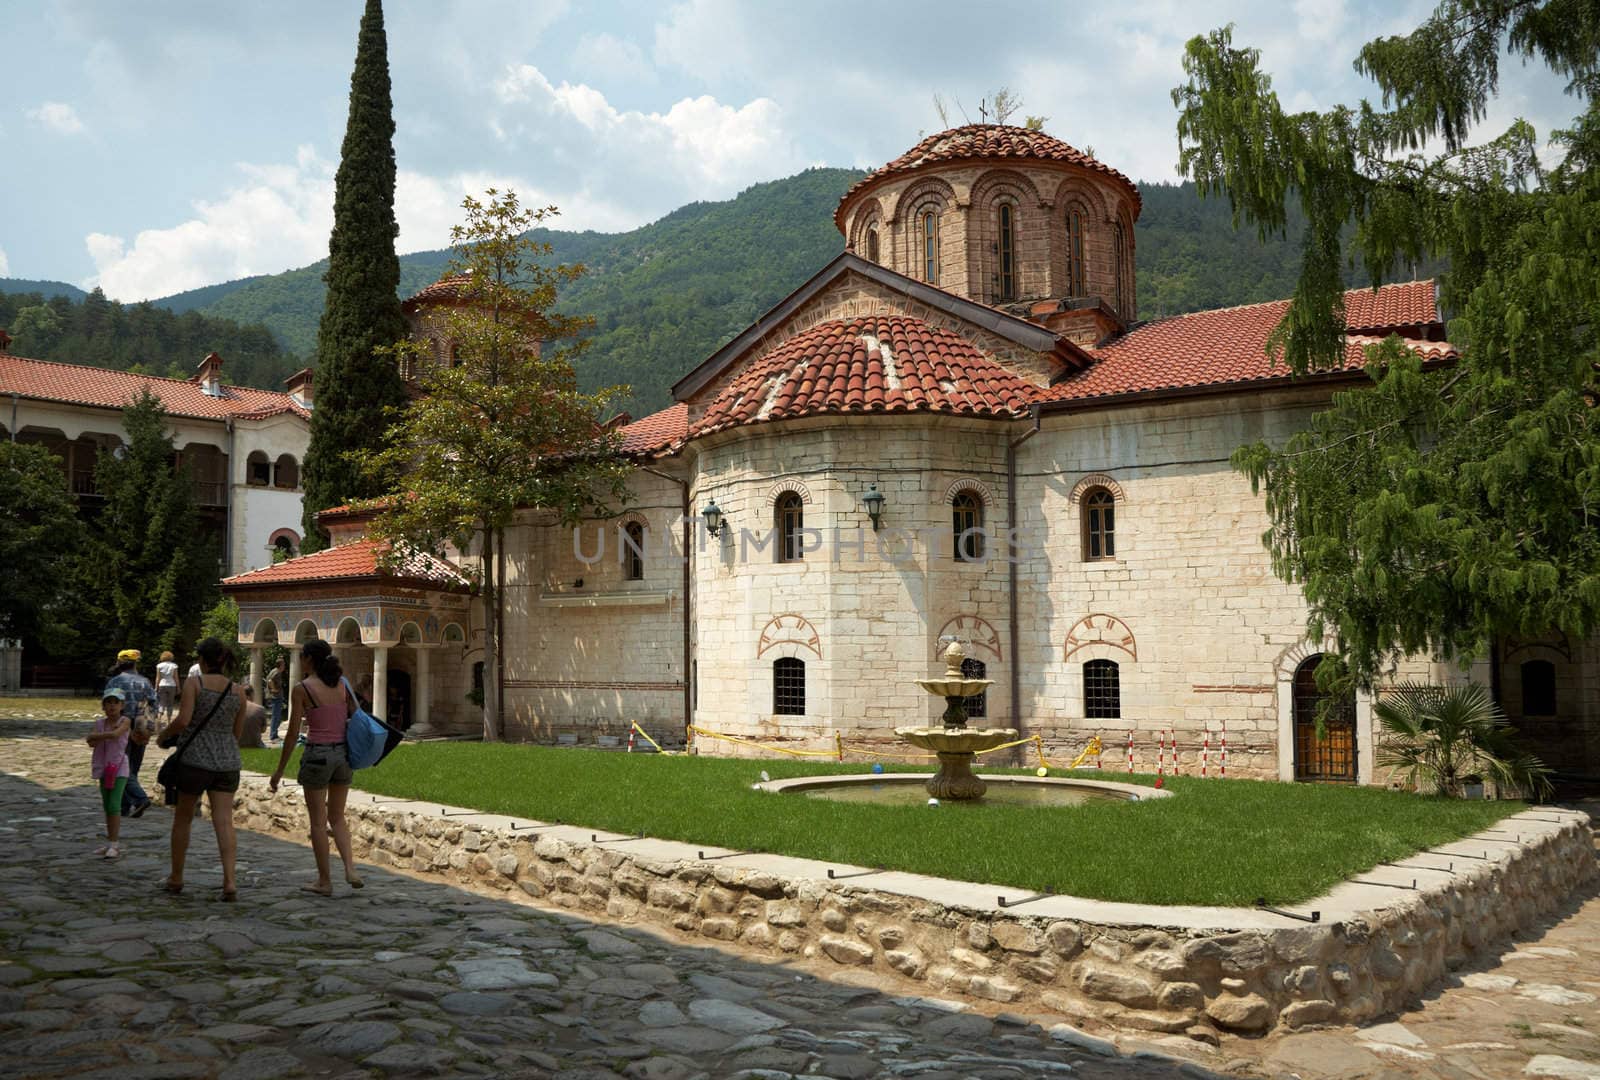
(140, 337)
(43, 288)
(667, 295)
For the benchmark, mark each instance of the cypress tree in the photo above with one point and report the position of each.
(354, 385)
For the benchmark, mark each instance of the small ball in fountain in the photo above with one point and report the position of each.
(1041, 771)
(877, 766)
(933, 802)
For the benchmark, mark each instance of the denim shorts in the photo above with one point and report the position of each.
(322, 764)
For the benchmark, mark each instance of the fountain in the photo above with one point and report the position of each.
(954, 742)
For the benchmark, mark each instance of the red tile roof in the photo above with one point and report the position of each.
(1228, 346)
(357, 559)
(989, 142)
(657, 432)
(75, 384)
(874, 364)
(445, 289)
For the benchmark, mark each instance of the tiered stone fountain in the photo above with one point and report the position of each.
(953, 741)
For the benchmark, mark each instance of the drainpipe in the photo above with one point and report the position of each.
(13, 416)
(1011, 567)
(688, 583)
(227, 494)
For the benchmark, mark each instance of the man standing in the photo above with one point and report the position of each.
(140, 710)
(278, 692)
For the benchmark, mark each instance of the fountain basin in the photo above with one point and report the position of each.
(956, 740)
(955, 687)
(906, 789)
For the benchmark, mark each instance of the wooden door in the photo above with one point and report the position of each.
(1332, 758)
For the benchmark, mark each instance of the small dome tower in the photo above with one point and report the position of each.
(1005, 216)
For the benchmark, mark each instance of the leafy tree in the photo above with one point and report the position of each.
(1440, 506)
(221, 621)
(148, 552)
(503, 427)
(40, 536)
(1440, 736)
(355, 384)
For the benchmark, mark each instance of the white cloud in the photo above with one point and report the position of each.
(619, 59)
(58, 117)
(5, 264)
(696, 142)
(280, 218)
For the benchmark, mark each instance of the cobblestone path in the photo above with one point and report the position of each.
(101, 975)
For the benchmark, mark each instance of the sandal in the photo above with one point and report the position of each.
(320, 890)
(173, 887)
(229, 896)
(354, 882)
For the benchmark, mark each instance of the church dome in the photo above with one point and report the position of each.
(997, 143)
(1007, 217)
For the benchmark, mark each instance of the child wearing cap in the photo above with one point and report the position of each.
(110, 763)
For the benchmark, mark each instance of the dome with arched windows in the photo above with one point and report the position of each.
(1006, 216)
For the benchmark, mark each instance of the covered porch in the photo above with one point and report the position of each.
(407, 637)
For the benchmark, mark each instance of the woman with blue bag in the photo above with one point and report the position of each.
(324, 703)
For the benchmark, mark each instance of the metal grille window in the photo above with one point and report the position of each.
(1099, 525)
(1102, 690)
(1075, 285)
(978, 704)
(1538, 688)
(789, 687)
(930, 247)
(633, 551)
(966, 525)
(1008, 254)
(791, 521)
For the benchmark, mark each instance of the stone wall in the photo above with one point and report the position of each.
(1167, 974)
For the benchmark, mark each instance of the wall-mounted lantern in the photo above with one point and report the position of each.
(713, 515)
(873, 501)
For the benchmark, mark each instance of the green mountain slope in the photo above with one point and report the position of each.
(667, 295)
(46, 289)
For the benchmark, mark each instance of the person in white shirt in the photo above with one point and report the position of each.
(167, 685)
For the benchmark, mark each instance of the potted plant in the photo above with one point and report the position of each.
(1452, 739)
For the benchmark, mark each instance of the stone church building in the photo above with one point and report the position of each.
(957, 427)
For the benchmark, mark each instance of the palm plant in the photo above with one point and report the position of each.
(1438, 736)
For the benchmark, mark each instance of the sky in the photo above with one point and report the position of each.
(163, 145)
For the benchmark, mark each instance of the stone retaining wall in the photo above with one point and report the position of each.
(1153, 977)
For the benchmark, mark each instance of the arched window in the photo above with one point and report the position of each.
(872, 243)
(791, 522)
(1075, 284)
(1099, 525)
(966, 526)
(633, 551)
(978, 704)
(1538, 688)
(258, 470)
(1008, 253)
(1118, 258)
(1102, 690)
(284, 545)
(789, 686)
(286, 473)
(929, 226)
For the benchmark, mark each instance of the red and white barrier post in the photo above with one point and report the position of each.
(1205, 755)
(631, 729)
(1224, 770)
(1130, 751)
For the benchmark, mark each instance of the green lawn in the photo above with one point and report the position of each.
(1215, 842)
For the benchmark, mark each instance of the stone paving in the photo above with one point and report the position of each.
(102, 975)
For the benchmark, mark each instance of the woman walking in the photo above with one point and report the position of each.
(324, 704)
(167, 686)
(208, 759)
